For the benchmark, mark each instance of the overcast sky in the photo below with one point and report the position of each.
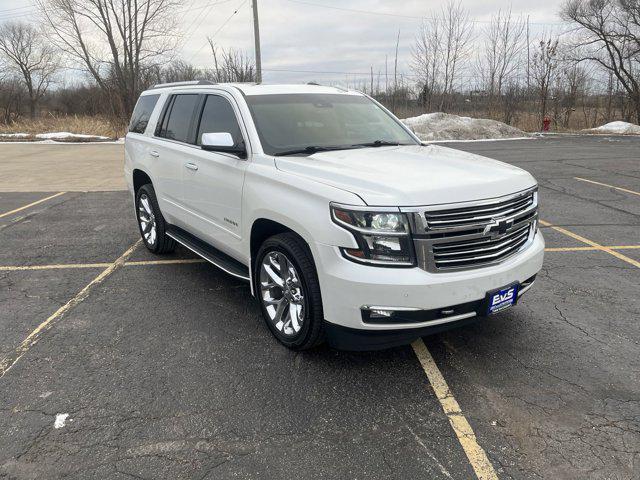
(319, 35)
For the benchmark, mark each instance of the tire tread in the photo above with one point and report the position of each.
(301, 253)
(164, 243)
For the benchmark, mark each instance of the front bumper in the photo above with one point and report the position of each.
(347, 287)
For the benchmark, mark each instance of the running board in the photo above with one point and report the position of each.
(211, 254)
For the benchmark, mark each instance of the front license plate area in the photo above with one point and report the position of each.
(501, 299)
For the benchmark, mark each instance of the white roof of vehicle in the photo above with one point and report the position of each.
(255, 89)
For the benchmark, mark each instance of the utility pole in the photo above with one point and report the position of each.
(256, 37)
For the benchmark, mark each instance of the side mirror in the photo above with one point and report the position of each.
(222, 142)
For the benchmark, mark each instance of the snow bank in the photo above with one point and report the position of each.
(444, 126)
(616, 128)
(67, 135)
(54, 137)
(14, 135)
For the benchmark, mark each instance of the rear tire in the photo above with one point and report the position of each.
(151, 223)
(286, 284)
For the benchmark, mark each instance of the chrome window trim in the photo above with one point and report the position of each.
(244, 131)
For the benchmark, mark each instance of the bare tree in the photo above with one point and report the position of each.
(512, 95)
(115, 41)
(441, 47)
(12, 96)
(178, 71)
(426, 59)
(571, 84)
(395, 74)
(231, 65)
(544, 63)
(27, 53)
(609, 35)
(457, 32)
(502, 58)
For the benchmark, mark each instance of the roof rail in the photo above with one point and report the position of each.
(337, 87)
(185, 84)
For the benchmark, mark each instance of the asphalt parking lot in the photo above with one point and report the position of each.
(118, 364)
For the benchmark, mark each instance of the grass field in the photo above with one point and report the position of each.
(86, 125)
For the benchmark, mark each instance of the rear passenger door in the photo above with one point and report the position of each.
(213, 181)
(172, 148)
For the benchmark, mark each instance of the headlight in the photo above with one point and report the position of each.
(383, 237)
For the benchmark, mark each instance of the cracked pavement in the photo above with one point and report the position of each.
(166, 371)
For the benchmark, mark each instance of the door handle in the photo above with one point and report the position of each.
(191, 166)
(153, 153)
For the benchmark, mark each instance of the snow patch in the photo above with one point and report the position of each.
(61, 419)
(14, 135)
(445, 126)
(58, 135)
(616, 128)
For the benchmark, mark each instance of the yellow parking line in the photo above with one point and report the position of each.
(12, 268)
(591, 243)
(31, 204)
(53, 267)
(626, 190)
(33, 338)
(467, 438)
(590, 249)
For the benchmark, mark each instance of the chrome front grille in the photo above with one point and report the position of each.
(474, 234)
(465, 217)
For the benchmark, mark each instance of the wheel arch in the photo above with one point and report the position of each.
(140, 178)
(263, 228)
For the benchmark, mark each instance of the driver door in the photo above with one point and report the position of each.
(213, 181)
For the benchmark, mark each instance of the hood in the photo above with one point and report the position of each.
(410, 175)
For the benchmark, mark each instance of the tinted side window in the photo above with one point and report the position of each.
(142, 113)
(177, 120)
(217, 117)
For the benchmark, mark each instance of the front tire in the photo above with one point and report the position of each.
(151, 222)
(287, 287)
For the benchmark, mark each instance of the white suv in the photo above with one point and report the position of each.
(347, 227)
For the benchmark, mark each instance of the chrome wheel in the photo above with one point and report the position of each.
(147, 220)
(281, 293)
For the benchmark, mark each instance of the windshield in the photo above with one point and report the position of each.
(289, 122)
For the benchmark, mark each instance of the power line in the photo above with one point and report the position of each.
(227, 20)
(193, 8)
(398, 15)
(219, 29)
(16, 8)
(332, 72)
(17, 15)
(199, 19)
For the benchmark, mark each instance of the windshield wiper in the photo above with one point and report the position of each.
(311, 149)
(378, 143)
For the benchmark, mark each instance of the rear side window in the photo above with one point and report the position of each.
(142, 113)
(177, 117)
(218, 117)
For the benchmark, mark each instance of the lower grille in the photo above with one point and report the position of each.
(469, 240)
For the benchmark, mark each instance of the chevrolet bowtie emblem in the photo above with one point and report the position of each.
(498, 226)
